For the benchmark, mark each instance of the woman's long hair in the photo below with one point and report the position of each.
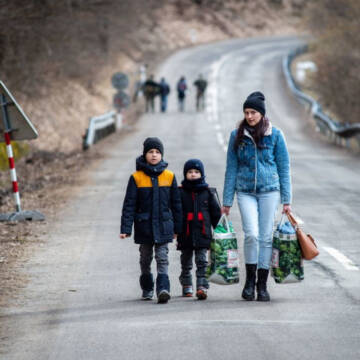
(257, 131)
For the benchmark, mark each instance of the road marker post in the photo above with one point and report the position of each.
(15, 125)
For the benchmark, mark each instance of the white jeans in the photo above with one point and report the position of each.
(258, 215)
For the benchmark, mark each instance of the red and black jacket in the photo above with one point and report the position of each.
(201, 211)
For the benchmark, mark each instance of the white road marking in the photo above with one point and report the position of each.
(212, 101)
(343, 260)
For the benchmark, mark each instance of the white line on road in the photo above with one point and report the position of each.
(212, 101)
(344, 260)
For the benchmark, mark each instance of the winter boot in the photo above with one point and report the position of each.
(163, 288)
(147, 286)
(262, 294)
(249, 288)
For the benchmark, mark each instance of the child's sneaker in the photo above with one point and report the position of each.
(147, 294)
(201, 293)
(163, 297)
(187, 291)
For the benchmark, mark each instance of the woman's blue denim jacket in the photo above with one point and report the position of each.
(252, 169)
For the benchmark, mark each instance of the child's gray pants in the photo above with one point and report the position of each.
(161, 257)
(187, 265)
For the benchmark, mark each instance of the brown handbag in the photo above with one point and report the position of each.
(307, 243)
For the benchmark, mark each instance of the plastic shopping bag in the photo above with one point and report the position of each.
(223, 265)
(287, 265)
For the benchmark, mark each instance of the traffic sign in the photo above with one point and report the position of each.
(120, 81)
(121, 100)
(13, 118)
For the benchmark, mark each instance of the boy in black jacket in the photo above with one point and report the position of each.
(152, 202)
(201, 210)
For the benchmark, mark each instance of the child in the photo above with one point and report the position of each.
(201, 210)
(152, 202)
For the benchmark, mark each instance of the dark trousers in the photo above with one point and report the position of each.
(187, 265)
(149, 103)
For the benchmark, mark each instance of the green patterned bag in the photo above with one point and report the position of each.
(287, 264)
(223, 265)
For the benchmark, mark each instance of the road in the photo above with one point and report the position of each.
(83, 298)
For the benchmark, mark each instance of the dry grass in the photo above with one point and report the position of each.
(336, 52)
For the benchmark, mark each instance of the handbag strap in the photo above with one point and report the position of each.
(292, 220)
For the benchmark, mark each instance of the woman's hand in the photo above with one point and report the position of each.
(123, 236)
(226, 210)
(286, 209)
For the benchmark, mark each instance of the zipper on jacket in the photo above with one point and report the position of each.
(256, 155)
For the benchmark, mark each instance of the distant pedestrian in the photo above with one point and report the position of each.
(152, 203)
(201, 211)
(164, 93)
(151, 89)
(258, 171)
(201, 85)
(181, 90)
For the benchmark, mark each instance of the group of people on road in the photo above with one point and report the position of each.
(257, 172)
(151, 89)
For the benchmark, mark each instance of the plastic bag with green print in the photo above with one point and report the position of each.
(223, 265)
(287, 264)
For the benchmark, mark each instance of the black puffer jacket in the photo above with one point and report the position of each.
(152, 202)
(201, 210)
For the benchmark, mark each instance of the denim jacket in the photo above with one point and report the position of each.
(252, 169)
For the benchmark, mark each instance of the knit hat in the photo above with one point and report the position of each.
(194, 164)
(153, 143)
(256, 101)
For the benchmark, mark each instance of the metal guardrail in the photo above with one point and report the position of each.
(100, 127)
(323, 121)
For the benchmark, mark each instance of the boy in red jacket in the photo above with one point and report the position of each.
(201, 210)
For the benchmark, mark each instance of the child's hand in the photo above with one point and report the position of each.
(123, 236)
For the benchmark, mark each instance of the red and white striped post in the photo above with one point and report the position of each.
(21, 128)
(15, 186)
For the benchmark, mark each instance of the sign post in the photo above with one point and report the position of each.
(121, 99)
(15, 125)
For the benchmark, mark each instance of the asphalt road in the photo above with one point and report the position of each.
(83, 301)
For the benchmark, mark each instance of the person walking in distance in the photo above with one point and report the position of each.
(150, 89)
(258, 171)
(164, 93)
(200, 85)
(201, 211)
(181, 90)
(152, 203)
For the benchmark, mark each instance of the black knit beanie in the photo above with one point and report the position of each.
(153, 143)
(194, 164)
(256, 101)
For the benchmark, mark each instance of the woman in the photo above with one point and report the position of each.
(258, 171)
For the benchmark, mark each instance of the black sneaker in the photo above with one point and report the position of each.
(147, 294)
(163, 297)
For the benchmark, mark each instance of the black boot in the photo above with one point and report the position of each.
(249, 288)
(163, 288)
(263, 295)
